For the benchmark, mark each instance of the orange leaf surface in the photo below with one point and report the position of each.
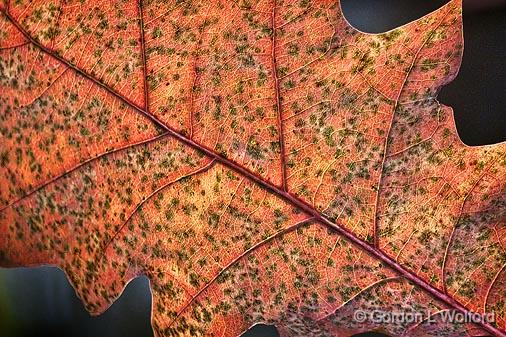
(258, 161)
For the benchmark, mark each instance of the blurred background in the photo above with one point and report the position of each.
(39, 302)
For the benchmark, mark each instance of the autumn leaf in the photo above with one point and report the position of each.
(258, 161)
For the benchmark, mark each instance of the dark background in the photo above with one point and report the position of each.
(39, 302)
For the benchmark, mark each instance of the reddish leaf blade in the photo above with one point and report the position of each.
(229, 222)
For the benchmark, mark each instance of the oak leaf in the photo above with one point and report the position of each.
(258, 161)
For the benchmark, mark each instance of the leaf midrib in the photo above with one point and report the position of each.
(285, 195)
